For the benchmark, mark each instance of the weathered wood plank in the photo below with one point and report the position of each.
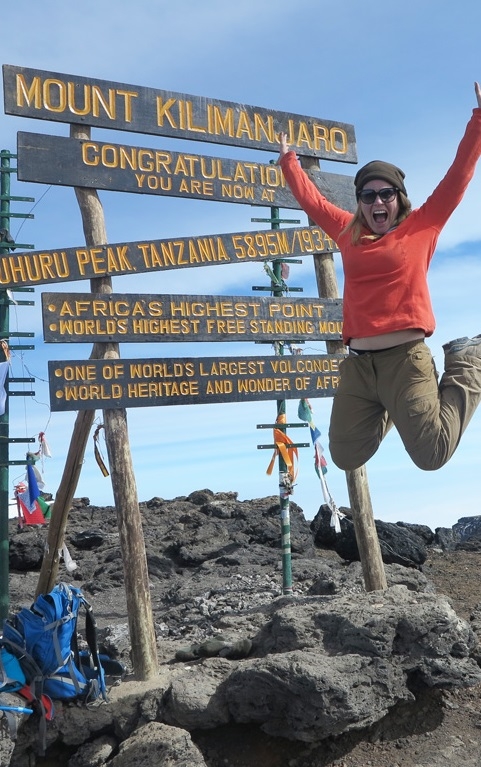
(43, 267)
(124, 383)
(118, 106)
(134, 318)
(142, 170)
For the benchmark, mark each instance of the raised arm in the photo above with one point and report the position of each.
(449, 192)
(310, 198)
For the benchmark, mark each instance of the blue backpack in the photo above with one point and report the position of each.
(44, 640)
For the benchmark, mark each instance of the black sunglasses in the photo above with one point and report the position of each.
(386, 194)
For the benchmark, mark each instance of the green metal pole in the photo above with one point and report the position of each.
(4, 425)
(284, 479)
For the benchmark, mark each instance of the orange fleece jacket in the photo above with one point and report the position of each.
(385, 281)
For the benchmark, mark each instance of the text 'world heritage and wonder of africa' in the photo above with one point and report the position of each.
(80, 385)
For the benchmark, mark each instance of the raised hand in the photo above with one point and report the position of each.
(283, 145)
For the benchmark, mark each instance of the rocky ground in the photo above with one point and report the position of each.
(443, 728)
(448, 731)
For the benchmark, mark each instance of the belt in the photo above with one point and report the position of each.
(370, 351)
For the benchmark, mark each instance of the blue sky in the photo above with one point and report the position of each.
(404, 77)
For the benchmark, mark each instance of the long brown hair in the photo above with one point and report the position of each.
(358, 222)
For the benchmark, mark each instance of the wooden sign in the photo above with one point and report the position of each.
(133, 318)
(117, 106)
(80, 263)
(71, 162)
(109, 384)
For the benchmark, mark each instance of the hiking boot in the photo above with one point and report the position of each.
(463, 344)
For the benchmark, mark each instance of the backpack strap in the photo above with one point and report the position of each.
(8, 719)
(91, 637)
(44, 706)
(46, 703)
(54, 628)
(33, 673)
(8, 722)
(32, 692)
(73, 596)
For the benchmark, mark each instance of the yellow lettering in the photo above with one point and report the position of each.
(163, 110)
(28, 95)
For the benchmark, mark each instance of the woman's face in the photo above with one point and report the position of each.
(380, 216)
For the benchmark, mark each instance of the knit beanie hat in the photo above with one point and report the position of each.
(380, 169)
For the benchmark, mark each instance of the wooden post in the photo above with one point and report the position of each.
(63, 501)
(357, 485)
(139, 609)
(365, 529)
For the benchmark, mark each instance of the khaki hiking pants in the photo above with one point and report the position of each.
(400, 386)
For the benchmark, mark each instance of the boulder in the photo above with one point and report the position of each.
(401, 544)
(325, 666)
(155, 744)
